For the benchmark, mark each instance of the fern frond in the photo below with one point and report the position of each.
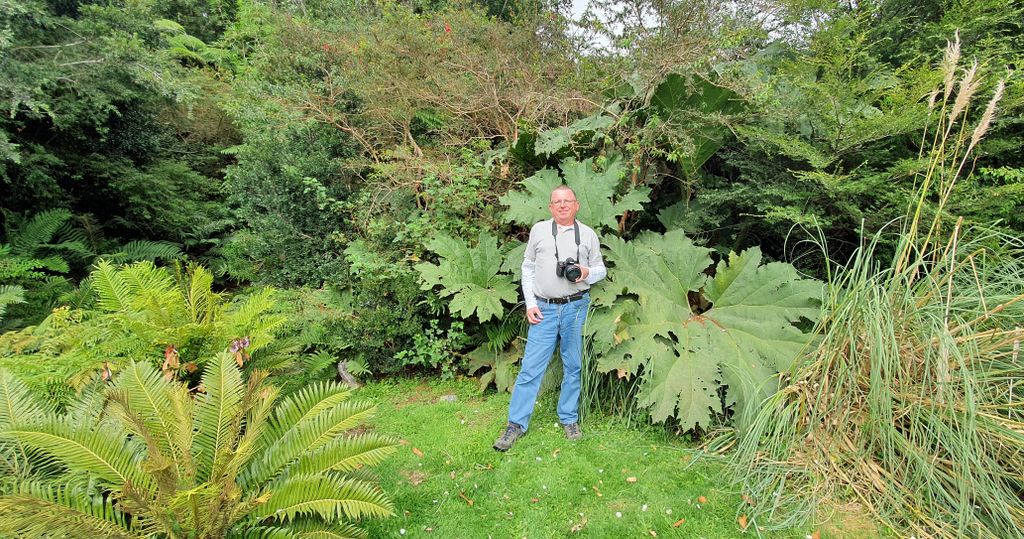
(45, 511)
(55, 264)
(217, 413)
(305, 436)
(9, 295)
(200, 300)
(100, 450)
(329, 498)
(139, 250)
(32, 235)
(307, 403)
(256, 422)
(17, 403)
(150, 285)
(250, 316)
(112, 292)
(146, 394)
(345, 454)
(307, 529)
(302, 405)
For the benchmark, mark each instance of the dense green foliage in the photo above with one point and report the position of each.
(918, 356)
(141, 313)
(380, 164)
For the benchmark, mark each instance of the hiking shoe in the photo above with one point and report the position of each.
(512, 433)
(572, 432)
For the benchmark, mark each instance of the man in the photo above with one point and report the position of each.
(562, 260)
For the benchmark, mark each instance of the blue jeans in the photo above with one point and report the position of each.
(562, 323)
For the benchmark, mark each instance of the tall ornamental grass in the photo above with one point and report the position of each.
(912, 401)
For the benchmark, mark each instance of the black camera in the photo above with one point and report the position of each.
(570, 269)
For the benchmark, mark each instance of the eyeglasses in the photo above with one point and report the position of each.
(562, 202)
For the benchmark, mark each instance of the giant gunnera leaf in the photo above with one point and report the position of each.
(470, 275)
(597, 190)
(742, 339)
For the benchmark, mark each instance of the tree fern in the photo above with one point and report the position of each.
(251, 316)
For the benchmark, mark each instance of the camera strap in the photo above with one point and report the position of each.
(554, 234)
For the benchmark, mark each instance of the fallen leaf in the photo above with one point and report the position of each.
(415, 477)
(742, 522)
(631, 480)
(555, 454)
(452, 474)
(597, 491)
(816, 534)
(417, 452)
(748, 500)
(534, 500)
(679, 523)
(468, 501)
(579, 526)
(654, 533)
(403, 442)
(702, 499)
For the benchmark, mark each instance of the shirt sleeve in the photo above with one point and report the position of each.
(529, 269)
(595, 262)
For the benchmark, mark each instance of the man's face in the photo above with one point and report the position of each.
(563, 206)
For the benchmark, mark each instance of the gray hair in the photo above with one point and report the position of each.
(564, 187)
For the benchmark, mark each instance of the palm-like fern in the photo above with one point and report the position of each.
(231, 462)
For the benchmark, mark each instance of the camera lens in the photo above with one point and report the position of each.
(573, 272)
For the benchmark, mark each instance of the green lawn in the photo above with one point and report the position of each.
(447, 481)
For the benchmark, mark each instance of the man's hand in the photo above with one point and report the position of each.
(533, 315)
(584, 272)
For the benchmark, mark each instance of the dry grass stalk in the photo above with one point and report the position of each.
(986, 118)
(948, 66)
(967, 87)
